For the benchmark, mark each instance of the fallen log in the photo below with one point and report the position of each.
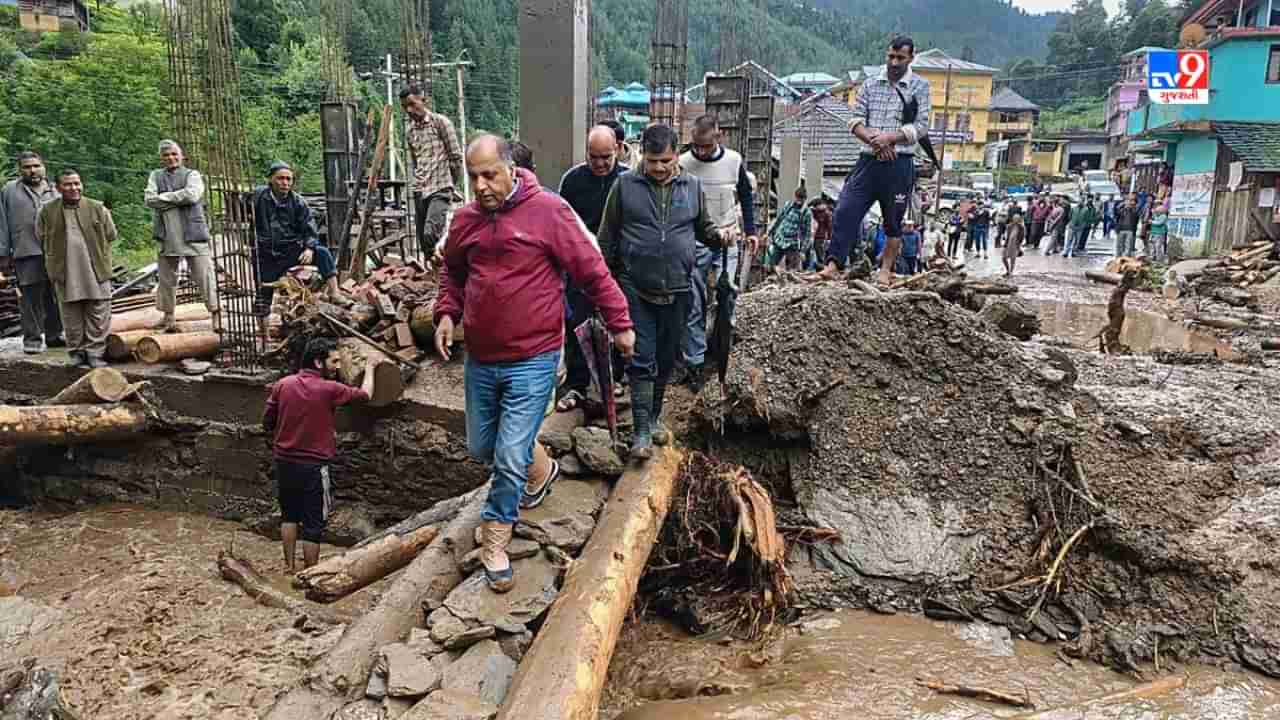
(979, 693)
(342, 673)
(1101, 276)
(423, 327)
(69, 424)
(102, 385)
(120, 345)
(388, 382)
(177, 346)
(563, 673)
(987, 287)
(241, 572)
(151, 318)
(1155, 688)
(441, 512)
(337, 577)
(1222, 323)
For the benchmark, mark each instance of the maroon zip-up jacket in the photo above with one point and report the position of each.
(503, 275)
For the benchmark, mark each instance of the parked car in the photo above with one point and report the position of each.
(983, 182)
(1098, 183)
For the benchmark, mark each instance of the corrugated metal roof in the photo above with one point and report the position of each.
(1144, 50)
(937, 59)
(1007, 100)
(810, 78)
(1257, 144)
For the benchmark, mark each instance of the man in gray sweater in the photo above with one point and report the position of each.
(181, 230)
(20, 203)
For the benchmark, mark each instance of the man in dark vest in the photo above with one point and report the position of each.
(181, 230)
(20, 203)
(652, 220)
(76, 234)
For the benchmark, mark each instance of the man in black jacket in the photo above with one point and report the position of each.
(586, 187)
(286, 236)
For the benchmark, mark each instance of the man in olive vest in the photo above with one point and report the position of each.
(20, 203)
(653, 219)
(731, 206)
(76, 235)
(181, 230)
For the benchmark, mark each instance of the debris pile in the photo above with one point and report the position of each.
(10, 316)
(1250, 265)
(971, 477)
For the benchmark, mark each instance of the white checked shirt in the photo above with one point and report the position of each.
(879, 108)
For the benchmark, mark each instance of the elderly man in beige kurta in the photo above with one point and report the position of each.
(176, 194)
(76, 234)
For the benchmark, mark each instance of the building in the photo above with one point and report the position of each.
(1225, 154)
(1125, 94)
(629, 106)
(52, 15)
(961, 112)
(822, 124)
(811, 83)
(762, 82)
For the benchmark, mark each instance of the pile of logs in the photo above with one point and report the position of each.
(10, 318)
(1248, 265)
(138, 334)
(93, 409)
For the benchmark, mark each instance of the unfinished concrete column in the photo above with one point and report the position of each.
(554, 83)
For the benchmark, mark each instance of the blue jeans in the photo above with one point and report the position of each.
(980, 238)
(705, 259)
(1075, 246)
(505, 407)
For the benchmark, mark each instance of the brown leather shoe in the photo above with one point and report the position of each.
(493, 554)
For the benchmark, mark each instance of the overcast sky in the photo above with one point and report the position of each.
(1040, 6)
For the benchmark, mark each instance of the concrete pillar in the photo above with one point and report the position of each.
(813, 170)
(554, 83)
(789, 170)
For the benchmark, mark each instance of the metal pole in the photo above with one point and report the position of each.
(1240, 15)
(462, 124)
(946, 120)
(391, 129)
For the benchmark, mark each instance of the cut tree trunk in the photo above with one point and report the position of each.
(388, 381)
(69, 424)
(1102, 276)
(178, 346)
(337, 577)
(343, 672)
(441, 512)
(987, 287)
(1152, 689)
(151, 317)
(120, 345)
(1222, 323)
(563, 673)
(242, 573)
(103, 385)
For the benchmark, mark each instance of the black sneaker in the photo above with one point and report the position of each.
(528, 501)
(56, 342)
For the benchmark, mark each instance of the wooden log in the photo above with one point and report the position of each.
(423, 326)
(103, 385)
(1155, 688)
(358, 258)
(441, 512)
(177, 346)
(388, 382)
(980, 693)
(986, 287)
(241, 572)
(337, 577)
(342, 673)
(1222, 323)
(1101, 276)
(120, 346)
(69, 424)
(151, 317)
(563, 673)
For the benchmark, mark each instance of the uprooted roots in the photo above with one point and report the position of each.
(720, 562)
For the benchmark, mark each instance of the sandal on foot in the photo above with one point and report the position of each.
(570, 401)
(529, 501)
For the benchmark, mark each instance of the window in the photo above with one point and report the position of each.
(1009, 117)
(1273, 65)
(939, 121)
(962, 121)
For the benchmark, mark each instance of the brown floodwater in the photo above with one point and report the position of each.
(1143, 331)
(860, 665)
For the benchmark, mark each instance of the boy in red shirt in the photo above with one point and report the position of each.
(300, 414)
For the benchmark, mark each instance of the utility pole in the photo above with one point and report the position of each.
(946, 122)
(462, 123)
(391, 76)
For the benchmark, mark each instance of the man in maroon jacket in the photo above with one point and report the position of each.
(502, 278)
(300, 414)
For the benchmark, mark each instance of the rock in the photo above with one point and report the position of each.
(518, 549)
(377, 687)
(994, 640)
(420, 640)
(395, 708)
(1013, 317)
(568, 533)
(450, 705)
(534, 591)
(445, 626)
(816, 625)
(1132, 429)
(20, 618)
(595, 450)
(515, 645)
(483, 671)
(360, 710)
(558, 441)
(570, 465)
(1052, 376)
(409, 672)
(348, 524)
(470, 637)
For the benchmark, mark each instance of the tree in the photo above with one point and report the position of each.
(257, 24)
(1156, 25)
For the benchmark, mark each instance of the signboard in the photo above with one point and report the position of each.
(1178, 77)
(1192, 195)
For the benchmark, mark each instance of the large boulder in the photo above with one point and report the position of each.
(595, 449)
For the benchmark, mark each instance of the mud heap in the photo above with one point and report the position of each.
(975, 477)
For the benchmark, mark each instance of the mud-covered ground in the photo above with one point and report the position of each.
(958, 463)
(126, 604)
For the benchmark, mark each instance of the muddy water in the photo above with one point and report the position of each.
(1143, 331)
(852, 664)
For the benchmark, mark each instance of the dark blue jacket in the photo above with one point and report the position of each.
(284, 228)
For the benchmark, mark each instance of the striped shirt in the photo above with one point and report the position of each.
(879, 108)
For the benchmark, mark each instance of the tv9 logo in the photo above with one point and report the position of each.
(1178, 77)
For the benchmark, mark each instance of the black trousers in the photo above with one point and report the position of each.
(430, 213)
(38, 307)
(660, 332)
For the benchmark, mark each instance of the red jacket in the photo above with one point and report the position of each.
(504, 272)
(300, 412)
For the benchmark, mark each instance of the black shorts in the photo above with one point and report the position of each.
(304, 496)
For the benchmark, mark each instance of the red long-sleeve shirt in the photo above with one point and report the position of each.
(503, 275)
(300, 412)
